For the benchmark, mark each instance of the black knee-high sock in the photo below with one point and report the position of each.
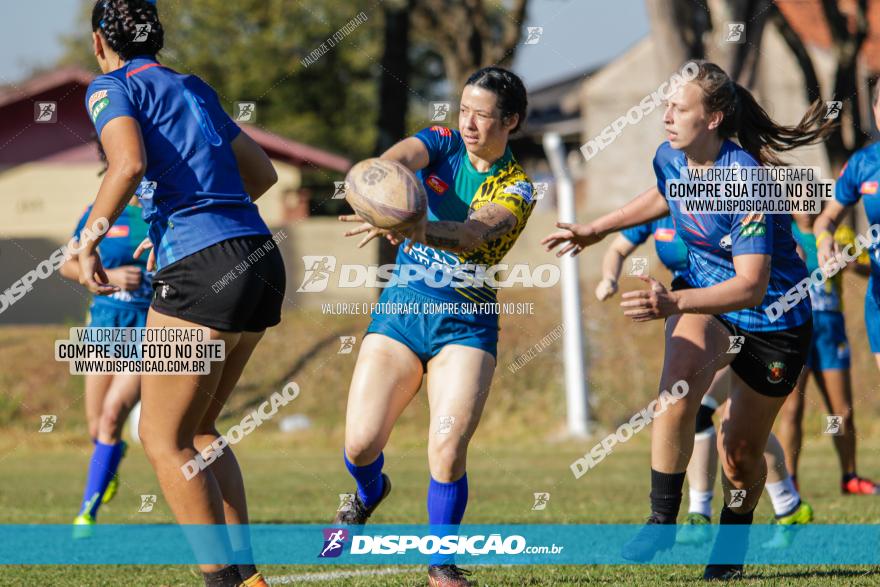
(246, 568)
(225, 577)
(728, 516)
(666, 495)
(732, 541)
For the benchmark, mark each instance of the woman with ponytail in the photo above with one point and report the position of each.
(738, 264)
(197, 175)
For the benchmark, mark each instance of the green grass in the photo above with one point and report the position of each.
(518, 449)
(287, 483)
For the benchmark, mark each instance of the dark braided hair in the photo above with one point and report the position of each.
(744, 118)
(509, 89)
(117, 20)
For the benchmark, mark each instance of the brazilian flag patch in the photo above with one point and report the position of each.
(754, 228)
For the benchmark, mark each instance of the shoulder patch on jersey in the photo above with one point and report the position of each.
(868, 187)
(520, 188)
(444, 132)
(95, 97)
(754, 228)
(664, 235)
(117, 231)
(437, 184)
(99, 107)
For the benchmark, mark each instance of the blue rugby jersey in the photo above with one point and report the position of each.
(192, 193)
(671, 250)
(455, 190)
(713, 240)
(859, 180)
(116, 250)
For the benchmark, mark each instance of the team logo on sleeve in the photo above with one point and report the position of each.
(753, 225)
(98, 101)
(868, 187)
(664, 235)
(437, 184)
(99, 95)
(775, 371)
(147, 189)
(522, 189)
(117, 231)
(444, 132)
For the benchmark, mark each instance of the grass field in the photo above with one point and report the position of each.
(289, 484)
(518, 450)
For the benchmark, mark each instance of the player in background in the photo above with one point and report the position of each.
(109, 397)
(859, 180)
(738, 265)
(197, 176)
(829, 363)
(479, 199)
(788, 507)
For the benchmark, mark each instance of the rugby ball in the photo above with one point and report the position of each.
(385, 193)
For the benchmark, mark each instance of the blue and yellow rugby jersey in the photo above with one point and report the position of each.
(192, 193)
(671, 250)
(860, 180)
(713, 240)
(455, 189)
(116, 250)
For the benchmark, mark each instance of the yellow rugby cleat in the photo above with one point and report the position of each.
(82, 526)
(784, 536)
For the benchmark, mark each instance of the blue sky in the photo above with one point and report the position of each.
(577, 34)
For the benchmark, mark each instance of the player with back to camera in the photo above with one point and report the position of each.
(201, 176)
(788, 507)
(111, 396)
(479, 199)
(859, 180)
(737, 265)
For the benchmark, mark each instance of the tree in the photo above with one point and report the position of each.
(470, 34)
(253, 50)
(394, 90)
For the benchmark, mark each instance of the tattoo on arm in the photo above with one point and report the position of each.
(493, 221)
(500, 229)
(443, 235)
(486, 224)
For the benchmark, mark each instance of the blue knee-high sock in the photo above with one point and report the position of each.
(368, 478)
(446, 505)
(105, 462)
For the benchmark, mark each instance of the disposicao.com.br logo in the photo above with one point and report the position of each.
(430, 544)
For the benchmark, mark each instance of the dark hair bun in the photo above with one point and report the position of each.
(131, 27)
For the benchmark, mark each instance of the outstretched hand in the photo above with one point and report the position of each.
(574, 237)
(651, 304)
(415, 233)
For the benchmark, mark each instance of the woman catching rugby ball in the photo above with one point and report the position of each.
(479, 199)
(738, 265)
(201, 175)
